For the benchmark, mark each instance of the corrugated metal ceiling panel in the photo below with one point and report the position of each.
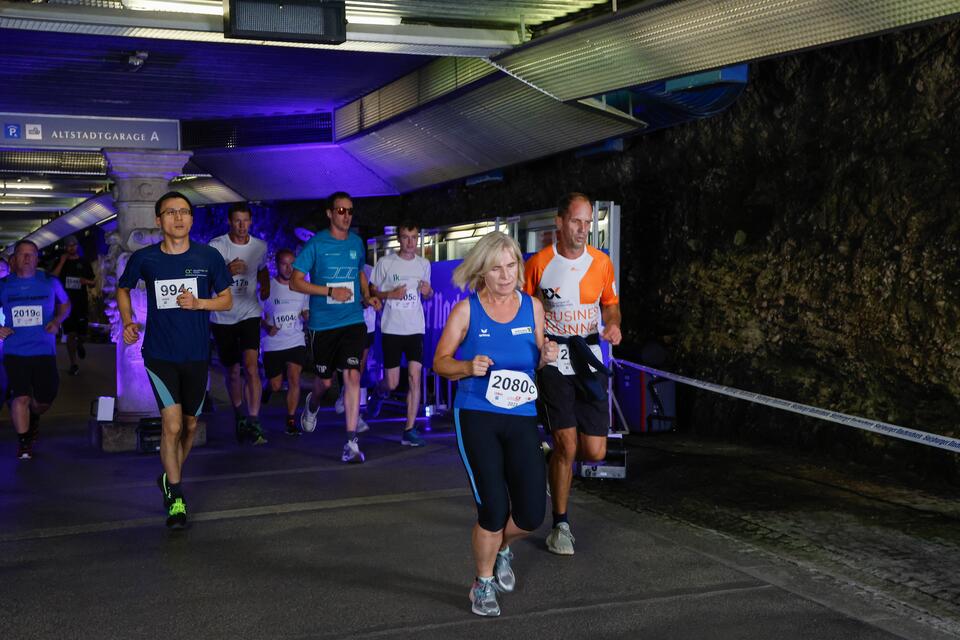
(514, 12)
(530, 12)
(498, 124)
(680, 38)
(363, 42)
(436, 79)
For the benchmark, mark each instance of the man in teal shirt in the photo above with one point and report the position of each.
(338, 290)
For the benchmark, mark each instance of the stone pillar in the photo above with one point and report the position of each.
(140, 177)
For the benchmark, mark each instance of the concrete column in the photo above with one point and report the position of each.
(140, 177)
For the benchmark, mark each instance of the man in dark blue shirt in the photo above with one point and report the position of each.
(184, 283)
(34, 306)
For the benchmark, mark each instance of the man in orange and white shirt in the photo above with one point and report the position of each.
(576, 284)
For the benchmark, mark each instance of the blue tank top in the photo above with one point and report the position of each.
(511, 345)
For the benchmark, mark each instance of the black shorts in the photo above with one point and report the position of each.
(75, 324)
(233, 339)
(275, 362)
(565, 406)
(504, 462)
(34, 376)
(395, 346)
(182, 383)
(340, 348)
(371, 339)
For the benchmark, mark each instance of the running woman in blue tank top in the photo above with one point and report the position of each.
(493, 344)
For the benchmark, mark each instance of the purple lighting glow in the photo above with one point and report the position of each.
(292, 172)
(183, 80)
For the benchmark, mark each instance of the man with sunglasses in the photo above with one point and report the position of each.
(185, 281)
(338, 289)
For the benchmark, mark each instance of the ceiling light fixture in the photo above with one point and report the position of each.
(24, 185)
(176, 6)
(390, 21)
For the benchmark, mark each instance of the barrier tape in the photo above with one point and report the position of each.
(882, 428)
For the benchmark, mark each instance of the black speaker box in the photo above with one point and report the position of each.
(319, 21)
(149, 432)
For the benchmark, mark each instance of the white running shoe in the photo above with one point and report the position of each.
(352, 453)
(483, 598)
(504, 579)
(362, 425)
(308, 419)
(560, 540)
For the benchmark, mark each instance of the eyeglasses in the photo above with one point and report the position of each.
(176, 212)
(343, 211)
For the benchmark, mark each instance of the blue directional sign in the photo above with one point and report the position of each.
(34, 131)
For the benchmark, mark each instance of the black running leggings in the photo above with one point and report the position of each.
(505, 466)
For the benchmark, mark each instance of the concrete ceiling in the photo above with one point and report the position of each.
(65, 73)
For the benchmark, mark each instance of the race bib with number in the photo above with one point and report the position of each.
(347, 285)
(563, 359)
(72, 283)
(168, 290)
(508, 389)
(409, 301)
(27, 316)
(284, 321)
(411, 298)
(240, 283)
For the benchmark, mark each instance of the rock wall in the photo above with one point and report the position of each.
(803, 244)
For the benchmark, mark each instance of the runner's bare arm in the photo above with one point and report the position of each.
(454, 332)
(55, 272)
(369, 300)
(131, 330)
(266, 323)
(223, 302)
(394, 294)
(426, 291)
(611, 323)
(298, 283)
(548, 348)
(263, 279)
(62, 311)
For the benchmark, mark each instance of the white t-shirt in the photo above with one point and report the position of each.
(245, 302)
(369, 313)
(401, 317)
(284, 310)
